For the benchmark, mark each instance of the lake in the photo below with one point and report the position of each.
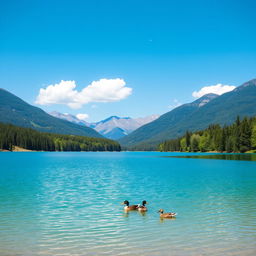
(56, 203)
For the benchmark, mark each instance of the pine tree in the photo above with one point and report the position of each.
(245, 136)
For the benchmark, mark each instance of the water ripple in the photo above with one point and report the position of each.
(69, 204)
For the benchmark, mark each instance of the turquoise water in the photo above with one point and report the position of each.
(69, 204)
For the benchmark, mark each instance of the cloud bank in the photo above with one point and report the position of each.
(216, 89)
(103, 90)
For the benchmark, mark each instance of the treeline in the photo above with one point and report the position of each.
(238, 137)
(27, 138)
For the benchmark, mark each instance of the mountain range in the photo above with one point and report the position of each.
(141, 133)
(69, 117)
(116, 127)
(14, 110)
(209, 109)
(113, 127)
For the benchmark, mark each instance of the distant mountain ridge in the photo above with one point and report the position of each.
(209, 109)
(142, 133)
(113, 127)
(70, 118)
(204, 99)
(122, 125)
(165, 121)
(14, 110)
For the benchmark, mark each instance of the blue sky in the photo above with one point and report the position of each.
(163, 50)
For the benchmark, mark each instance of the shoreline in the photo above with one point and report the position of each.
(207, 152)
(19, 149)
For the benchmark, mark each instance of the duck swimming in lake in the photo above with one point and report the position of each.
(129, 207)
(167, 215)
(142, 207)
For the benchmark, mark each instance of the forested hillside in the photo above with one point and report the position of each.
(27, 138)
(238, 137)
(146, 137)
(14, 110)
(221, 110)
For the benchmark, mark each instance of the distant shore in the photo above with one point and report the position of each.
(216, 152)
(17, 149)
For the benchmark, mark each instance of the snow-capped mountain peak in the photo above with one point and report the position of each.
(113, 127)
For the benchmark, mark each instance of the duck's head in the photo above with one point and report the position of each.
(144, 202)
(161, 211)
(126, 202)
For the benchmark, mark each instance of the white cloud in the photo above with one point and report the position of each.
(82, 117)
(103, 90)
(175, 104)
(217, 89)
(62, 93)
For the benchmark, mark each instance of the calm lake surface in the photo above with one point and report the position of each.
(69, 204)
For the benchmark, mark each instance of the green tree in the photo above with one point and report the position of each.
(194, 142)
(204, 142)
(183, 144)
(253, 135)
(245, 136)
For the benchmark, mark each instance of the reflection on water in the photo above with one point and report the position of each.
(143, 213)
(241, 157)
(162, 220)
(130, 213)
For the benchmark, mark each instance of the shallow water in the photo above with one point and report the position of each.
(69, 204)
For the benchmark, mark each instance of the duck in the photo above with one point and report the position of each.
(129, 207)
(142, 207)
(167, 214)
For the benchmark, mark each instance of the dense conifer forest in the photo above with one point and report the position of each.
(238, 137)
(27, 138)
